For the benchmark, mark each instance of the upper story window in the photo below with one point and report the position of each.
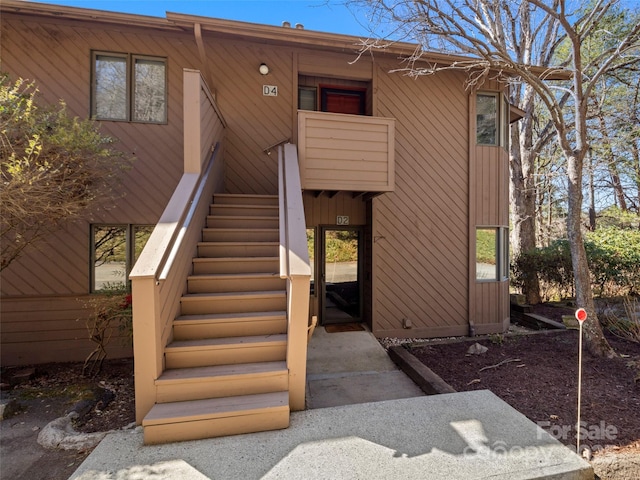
(492, 119)
(129, 88)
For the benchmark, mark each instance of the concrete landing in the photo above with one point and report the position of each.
(470, 435)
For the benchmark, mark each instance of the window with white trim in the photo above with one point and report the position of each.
(127, 87)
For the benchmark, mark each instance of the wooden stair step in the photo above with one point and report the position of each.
(182, 384)
(241, 221)
(246, 199)
(234, 282)
(247, 210)
(191, 327)
(236, 302)
(238, 249)
(196, 419)
(240, 234)
(236, 265)
(225, 351)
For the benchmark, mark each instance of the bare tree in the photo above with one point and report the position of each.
(486, 31)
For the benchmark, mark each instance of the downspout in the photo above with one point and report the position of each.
(197, 31)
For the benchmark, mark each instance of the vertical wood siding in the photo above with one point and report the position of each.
(323, 209)
(490, 300)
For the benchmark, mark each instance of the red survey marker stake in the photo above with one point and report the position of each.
(581, 316)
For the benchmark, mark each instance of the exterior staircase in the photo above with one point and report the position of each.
(225, 368)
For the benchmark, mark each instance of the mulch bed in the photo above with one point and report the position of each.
(104, 402)
(539, 377)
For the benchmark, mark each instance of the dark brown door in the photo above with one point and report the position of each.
(341, 100)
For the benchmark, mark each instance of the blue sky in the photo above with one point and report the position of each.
(321, 15)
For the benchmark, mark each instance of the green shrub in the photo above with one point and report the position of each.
(613, 254)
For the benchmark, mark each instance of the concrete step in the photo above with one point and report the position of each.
(202, 266)
(238, 249)
(229, 210)
(240, 302)
(197, 419)
(244, 199)
(183, 384)
(234, 282)
(225, 351)
(193, 327)
(241, 221)
(240, 235)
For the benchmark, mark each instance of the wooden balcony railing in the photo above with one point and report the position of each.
(346, 152)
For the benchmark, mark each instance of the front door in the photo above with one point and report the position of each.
(340, 275)
(350, 101)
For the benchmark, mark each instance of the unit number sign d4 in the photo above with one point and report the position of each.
(270, 90)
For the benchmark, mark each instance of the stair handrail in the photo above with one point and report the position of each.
(158, 276)
(296, 269)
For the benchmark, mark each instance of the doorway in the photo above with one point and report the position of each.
(350, 101)
(340, 273)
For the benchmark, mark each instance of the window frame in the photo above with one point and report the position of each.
(501, 254)
(314, 91)
(130, 231)
(130, 65)
(502, 125)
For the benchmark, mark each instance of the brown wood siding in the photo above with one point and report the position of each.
(420, 241)
(58, 333)
(421, 252)
(58, 57)
(489, 307)
(323, 209)
(254, 121)
(345, 152)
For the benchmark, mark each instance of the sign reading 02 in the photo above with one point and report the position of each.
(270, 90)
(342, 220)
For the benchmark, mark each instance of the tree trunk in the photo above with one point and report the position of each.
(613, 167)
(522, 197)
(596, 343)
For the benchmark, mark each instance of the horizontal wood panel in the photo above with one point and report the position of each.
(340, 164)
(50, 329)
(325, 145)
(329, 154)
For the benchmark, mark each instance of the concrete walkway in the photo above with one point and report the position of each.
(366, 420)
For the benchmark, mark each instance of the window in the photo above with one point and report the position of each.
(492, 119)
(115, 248)
(487, 119)
(129, 88)
(307, 98)
(492, 253)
